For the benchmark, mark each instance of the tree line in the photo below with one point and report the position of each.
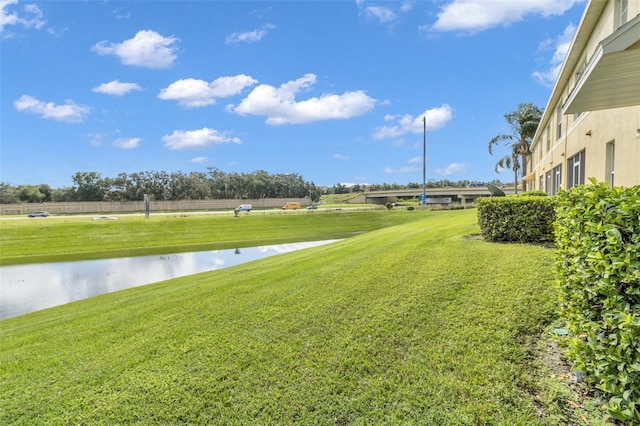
(431, 183)
(164, 186)
(212, 185)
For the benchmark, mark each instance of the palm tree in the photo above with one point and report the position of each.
(524, 123)
(512, 162)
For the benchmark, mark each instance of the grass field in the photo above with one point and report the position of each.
(73, 238)
(409, 321)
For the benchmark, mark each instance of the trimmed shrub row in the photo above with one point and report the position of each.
(525, 218)
(598, 274)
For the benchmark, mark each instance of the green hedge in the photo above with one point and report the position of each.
(598, 273)
(526, 219)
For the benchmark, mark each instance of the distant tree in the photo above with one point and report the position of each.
(200, 186)
(29, 194)
(138, 185)
(7, 194)
(45, 190)
(117, 188)
(61, 195)
(156, 184)
(89, 186)
(258, 184)
(219, 182)
(339, 189)
(524, 121)
(511, 161)
(314, 192)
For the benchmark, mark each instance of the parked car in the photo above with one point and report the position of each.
(312, 207)
(38, 214)
(243, 208)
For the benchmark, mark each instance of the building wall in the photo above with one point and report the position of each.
(591, 132)
(563, 136)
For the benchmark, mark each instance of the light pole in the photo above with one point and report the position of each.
(424, 160)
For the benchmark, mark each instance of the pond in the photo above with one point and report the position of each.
(29, 288)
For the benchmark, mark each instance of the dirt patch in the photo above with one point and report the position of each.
(552, 358)
(474, 237)
(583, 406)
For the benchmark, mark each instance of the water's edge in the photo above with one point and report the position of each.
(30, 288)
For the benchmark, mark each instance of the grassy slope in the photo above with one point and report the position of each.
(56, 239)
(412, 324)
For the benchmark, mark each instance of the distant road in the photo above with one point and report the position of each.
(185, 213)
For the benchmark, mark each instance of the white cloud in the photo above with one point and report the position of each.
(120, 14)
(96, 138)
(451, 169)
(116, 88)
(189, 92)
(385, 14)
(562, 44)
(198, 160)
(69, 112)
(407, 169)
(436, 118)
(250, 36)
(340, 157)
(127, 143)
(192, 93)
(196, 139)
(279, 104)
(228, 86)
(146, 49)
(30, 17)
(350, 184)
(381, 13)
(406, 6)
(479, 15)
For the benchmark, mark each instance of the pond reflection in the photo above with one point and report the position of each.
(29, 288)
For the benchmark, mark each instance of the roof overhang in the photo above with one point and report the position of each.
(610, 79)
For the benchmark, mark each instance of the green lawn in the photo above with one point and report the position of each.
(72, 238)
(408, 323)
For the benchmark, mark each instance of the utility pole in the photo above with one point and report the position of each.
(423, 201)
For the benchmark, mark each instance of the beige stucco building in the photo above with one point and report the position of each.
(591, 123)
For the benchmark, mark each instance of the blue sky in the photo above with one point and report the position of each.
(334, 91)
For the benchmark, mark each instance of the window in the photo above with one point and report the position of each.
(610, 165)
(540, 153)
(541, 183)
(621, 8)
(575, 172)
(557, 179)
(548, 137)
(559, 120)
(547, 178)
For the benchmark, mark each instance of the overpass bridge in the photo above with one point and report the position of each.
(434, 195)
